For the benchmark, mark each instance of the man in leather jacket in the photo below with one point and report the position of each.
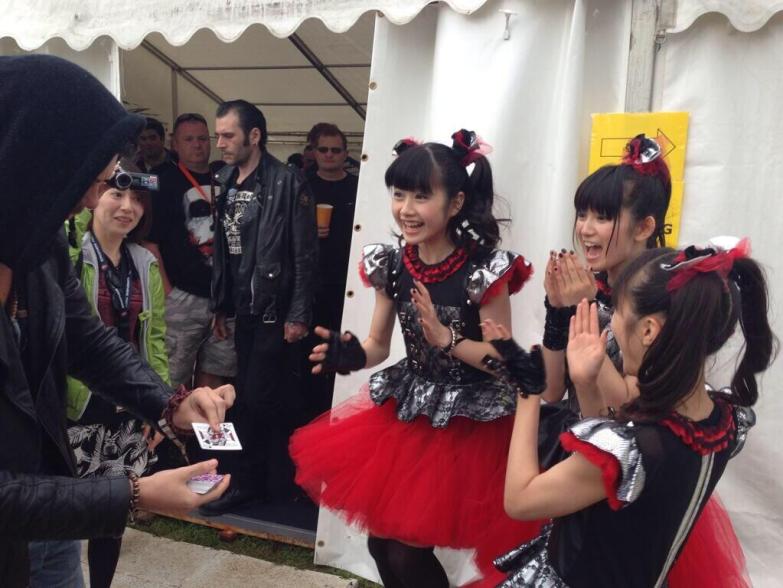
(61, 133)
(264, 262)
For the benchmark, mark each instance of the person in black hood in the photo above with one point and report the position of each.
(60, 132)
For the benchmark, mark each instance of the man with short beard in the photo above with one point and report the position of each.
(182, 238)
(264, 262)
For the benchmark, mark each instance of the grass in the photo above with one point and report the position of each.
(272, 551)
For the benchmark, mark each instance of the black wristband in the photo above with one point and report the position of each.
(521, 370)
(344, 357)
(556, 326)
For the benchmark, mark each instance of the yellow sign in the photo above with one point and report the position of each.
(612, 131)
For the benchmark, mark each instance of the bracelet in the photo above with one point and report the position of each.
(133, 507)
(456, 339)
(166, 422)
(556, 325)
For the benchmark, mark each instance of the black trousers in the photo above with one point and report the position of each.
(267, 405)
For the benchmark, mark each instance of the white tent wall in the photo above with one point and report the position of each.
(101, 58)
(530, 97)
(730, 82)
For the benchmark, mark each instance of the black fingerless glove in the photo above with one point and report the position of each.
(556, 326)
(521, 370)
(343, 357)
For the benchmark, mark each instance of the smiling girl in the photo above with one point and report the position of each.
(123, 284)
(417, 459)
(627, 498)
(620, 212)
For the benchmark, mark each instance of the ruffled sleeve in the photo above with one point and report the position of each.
(498, 269)
(612, 447)
(375, 264)
(745, 419)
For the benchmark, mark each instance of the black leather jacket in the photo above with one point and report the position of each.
(39, 497)
(279, 247)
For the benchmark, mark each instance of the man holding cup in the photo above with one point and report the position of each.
(335, 196)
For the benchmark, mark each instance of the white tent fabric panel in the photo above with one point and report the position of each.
(80, 22)
(531, 98)
(744, 15)
(260, 68)
(731, 84)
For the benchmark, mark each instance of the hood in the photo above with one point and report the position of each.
(59, 128)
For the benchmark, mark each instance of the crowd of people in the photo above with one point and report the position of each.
(203, 291)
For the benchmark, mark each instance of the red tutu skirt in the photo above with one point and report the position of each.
(412, 482)
(712, 556)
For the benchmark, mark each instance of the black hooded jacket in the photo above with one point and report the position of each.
(59, 128)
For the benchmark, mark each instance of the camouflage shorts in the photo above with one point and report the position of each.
(189, 339)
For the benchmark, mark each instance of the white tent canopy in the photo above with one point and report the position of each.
(531, 97)
(80, 22)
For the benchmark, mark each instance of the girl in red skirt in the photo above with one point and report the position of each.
(418, 458)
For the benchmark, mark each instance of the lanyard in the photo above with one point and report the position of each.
(120, 300)
(186, 172)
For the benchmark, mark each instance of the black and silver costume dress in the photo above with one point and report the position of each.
(658, 476)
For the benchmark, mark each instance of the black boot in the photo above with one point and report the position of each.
(236, 496)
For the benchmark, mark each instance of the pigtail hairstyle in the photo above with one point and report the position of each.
(641, 184)
(701, 313)
(428, 166)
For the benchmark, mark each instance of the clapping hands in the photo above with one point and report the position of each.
(586, 349)
(567, 281)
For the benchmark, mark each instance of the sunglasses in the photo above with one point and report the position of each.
(334, 150)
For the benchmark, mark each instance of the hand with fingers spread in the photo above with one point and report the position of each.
(340, 353)
(204, 405)
(435, 332)
(167, 490)
(586, 349)
(574, 281)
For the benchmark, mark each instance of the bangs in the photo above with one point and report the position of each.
(601, 192)
(414, 170)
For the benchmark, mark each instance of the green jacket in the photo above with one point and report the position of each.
(152, 326)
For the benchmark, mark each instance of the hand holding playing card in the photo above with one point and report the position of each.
(205, 405)
(168, 490)
(224, 438)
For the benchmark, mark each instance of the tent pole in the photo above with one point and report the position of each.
(327, 75)
(179, 70)
(174, 96)
(641, 56)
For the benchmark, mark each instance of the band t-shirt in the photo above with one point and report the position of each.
(237, 199)
(334, 250)
(183, 228)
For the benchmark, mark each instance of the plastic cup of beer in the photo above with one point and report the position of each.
(324, 215)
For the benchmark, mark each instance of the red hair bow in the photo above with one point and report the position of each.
(645, 155)
(693, 261)
(469, 146)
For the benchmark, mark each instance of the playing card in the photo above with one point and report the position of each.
(204, 483)
(225, 439)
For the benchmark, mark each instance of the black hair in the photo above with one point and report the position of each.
(250, 117)
(188, 117)
(642, 189)
(701, 315)
(324, 129)
(155, 125)
(422, 168)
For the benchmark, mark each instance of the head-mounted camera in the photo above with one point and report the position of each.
(125, 180)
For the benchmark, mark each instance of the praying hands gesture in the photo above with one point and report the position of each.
(435, 332)
(566, 281)
(586, 350)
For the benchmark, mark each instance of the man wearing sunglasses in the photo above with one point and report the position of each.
(182, 237)
(332, 185)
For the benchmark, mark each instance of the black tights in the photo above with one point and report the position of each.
(406, 566)
(103, 555)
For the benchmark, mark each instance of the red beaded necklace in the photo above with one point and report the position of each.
(438, 272)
